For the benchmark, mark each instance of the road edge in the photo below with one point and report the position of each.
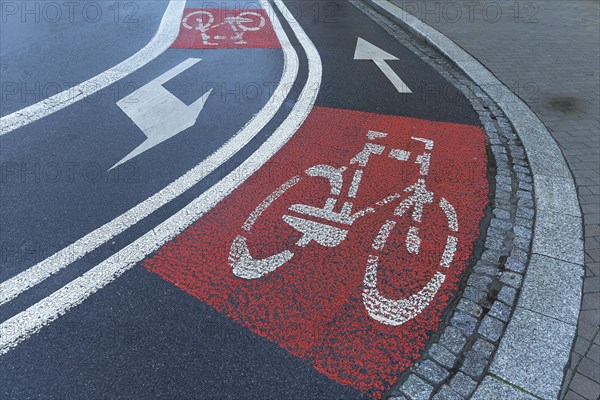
(557, 207)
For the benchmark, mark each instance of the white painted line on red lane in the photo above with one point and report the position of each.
(165, 36)
(23, 325)
(23, 281)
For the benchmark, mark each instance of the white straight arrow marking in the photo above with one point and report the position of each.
(367, 51)
(158, 113)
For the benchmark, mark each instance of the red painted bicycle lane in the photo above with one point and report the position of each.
(421, 184)
(224, 28)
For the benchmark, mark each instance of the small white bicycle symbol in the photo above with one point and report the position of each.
(380, 308)
(244, 22)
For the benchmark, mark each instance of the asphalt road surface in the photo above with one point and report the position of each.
(224, 200)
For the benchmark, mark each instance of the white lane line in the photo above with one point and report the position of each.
(163, 39)
(23, 325)
(23, 281)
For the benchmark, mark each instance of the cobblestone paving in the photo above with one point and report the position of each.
(459, 355)
(548, 53)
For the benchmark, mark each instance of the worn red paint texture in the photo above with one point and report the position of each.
(312, 305)
(223, 28)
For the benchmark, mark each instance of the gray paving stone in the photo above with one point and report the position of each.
(526, 222)
(520, 255)
(416, 388)
(522, 232)
(446, 393)
(515, 265)
(594, 353)
(507, 295)
(469, 307)
(556, 195)
(502, 202)
(511, 278)
(474, 364)
(474, 294)
(524, 202)
(503, 194)
(552, 288)
(432, 372)
(533, 353)
(559, 236)
(462, 384)
(491, 328)
(524, 178)
(571, 395)
(506, 179)
(482, 267)
(589, 368)
(492, 388)
(500, 311)
(522, 243)
(525, 186)
(525, 212)
(464, 322)
(501, 224)
(483, 347)
(494, 240)
(505, 187)
(585, 387)
(442, 356)
(479, 281)
(523, 194)
(453, 339)
(581, 345)
(502, 214)
(522, 170)
(491, 255)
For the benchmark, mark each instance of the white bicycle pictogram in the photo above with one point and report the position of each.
(308, 221)
(246, 21)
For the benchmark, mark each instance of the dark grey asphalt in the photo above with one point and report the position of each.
(140, 337)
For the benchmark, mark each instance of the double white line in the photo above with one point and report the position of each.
(30, 321)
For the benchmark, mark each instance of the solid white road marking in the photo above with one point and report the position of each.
(23, 281)
(367, 51)
(158, 113)
(165, 36)
(21, 326)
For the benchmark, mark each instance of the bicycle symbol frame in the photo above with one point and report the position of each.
(235, 23)
(387, 311)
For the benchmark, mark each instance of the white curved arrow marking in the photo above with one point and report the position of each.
(367, 51)
(158, 113)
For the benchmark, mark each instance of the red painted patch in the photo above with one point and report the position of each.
(214, 28)
(313, 305)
